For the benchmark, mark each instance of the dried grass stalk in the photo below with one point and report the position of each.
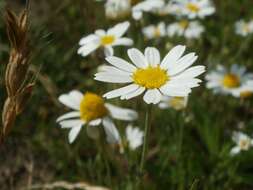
(16, 75)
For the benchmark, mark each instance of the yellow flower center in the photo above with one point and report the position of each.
(244, 144)
(193, 7)
(92, 107)
(246, 94)
(177, 103)
(157, 32)
(151, 77)
(231, 81)
(184, 24)
(107, 40)
(246, 28)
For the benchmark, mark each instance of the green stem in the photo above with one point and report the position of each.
(146, 133)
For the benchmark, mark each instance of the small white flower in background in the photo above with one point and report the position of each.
(243, 143)
(134, 137)
(246, 90)
(244, 28)
(195, 8)
(154, 32)
(232, 81)
(90, 109)
(146, 6)
(105, 39)
(188, 29)
(173, 76)
(177, 103)
(117, 9)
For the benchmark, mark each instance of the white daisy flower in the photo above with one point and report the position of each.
(90, 109)
(243, 143)
(117, 9)
(105, 39)
(188, 29)
(228, 81)
(133, 138)
(154, 32)
(244, 28)
(177, 103)
(172, 76)
(246, 90)
(146, 6)
(196, 8)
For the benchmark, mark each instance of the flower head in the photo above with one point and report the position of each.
(154, 32)
(90, 109)
(146, 6)
(177, 103)
(244, 28)
(232, 81)
(105, 39)
(195, 8)
(243, 143)
(173, 76)
(188, 29)
(117, 9)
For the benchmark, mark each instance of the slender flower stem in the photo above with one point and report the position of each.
(146, 134)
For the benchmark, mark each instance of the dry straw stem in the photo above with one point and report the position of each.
(18, 88)
(68, 186)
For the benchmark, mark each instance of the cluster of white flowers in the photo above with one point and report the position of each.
(243, 143)
(234, 81)
(244, 28)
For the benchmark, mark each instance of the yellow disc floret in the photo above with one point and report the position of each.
(92, 107)
(150, 77)
(177, 103)
(184, 24)
(231, 81)
(246, 94)
(157, 32)
(107, 40)
(244, 144)
(193, 7)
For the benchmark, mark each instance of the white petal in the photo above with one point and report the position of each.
(183, 64)
(172, 56)
(152, 96)
(119, 30)
(108, 51)
(73, 133)
(152, 55)
(122, 113)
(191, 72)
(172, 90)
(95, 122)
(121, 91)
(100, 32)
(76, 95)
(137, 58)
(121, 64)
(112, 134)
(68, 115)
(88, 48)
(113, 78)
(71, 123)
(235, 150)
(88, 39)
(70, 101)
(123, 42)
(133, 94)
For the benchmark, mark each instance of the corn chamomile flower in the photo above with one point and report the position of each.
(196, 8)
(229, 81)
(246, 90)
(154, 32)
(173, 76)
(177, 103)
(90, 109)
(132, 139)
(117, 9)
(244, 28)
(188, 29)
(243, 143)
(146, 6)
(105, 39)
